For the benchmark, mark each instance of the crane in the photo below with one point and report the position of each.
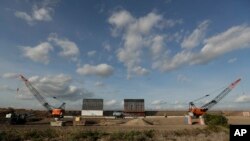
(195, 111)
(55, 112)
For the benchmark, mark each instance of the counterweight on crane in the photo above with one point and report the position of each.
(55, 112)
(195, 111)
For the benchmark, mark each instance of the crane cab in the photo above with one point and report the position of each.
(196, 112)
(57, 112)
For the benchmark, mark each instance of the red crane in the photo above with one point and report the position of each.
(55, 112)
(195, 111)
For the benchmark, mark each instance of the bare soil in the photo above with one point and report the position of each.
(170, 127)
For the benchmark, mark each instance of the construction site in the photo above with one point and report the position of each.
(124, 70)
(93, 118)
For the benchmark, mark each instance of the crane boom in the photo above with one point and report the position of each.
(36, 94)
(200, 111)
(201, 98)
(220, 96)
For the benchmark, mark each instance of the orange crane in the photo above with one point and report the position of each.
(55, 112)
(196, 112)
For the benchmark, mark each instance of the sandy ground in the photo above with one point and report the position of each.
(160, 123)
(163, 126)
(109, 125)
(238, 120)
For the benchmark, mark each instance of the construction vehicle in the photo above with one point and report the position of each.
(13, 117)
(117, 114)
(57, 113)
(17, 118)
(197, 112)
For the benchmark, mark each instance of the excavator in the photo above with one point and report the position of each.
(56, 113)
(197, 112)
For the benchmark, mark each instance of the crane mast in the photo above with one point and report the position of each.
(200, 111)
(36, 94)
(57, 112)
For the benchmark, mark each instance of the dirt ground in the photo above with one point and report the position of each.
(110, 125)
(238, 120)
(165, 128)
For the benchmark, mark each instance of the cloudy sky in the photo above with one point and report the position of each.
(168, 52)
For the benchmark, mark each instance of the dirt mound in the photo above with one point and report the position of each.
(137, 122)
(112, 122)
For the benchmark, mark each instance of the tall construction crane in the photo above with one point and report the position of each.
(195, 111)
(55, 112)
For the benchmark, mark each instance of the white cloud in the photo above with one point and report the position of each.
(232, 60)
(120, 20)
(243, 99)
(138, 36)
(179, 107)
(24, 16)
(235, 38)
(113, 104)
(59, 86)
(174, 37)
(146, 23)
(133, 32)
(196, 37)
(107, 46)
(40, 12)
(10, 75)
(158, 102)
(140, 70)
(157, 46)
(167, 63)
(110, 102)
(39, 53)
(168, 23)
(103, 70)
(91, 53)
(99, 84)
(69, 48)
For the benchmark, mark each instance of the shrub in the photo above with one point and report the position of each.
(132, 136)
(36, 134)
(87, 135)
(11, 135)
(215, 120)
(149, 133)
(2, 135)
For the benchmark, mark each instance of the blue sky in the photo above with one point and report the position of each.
(168, 52)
